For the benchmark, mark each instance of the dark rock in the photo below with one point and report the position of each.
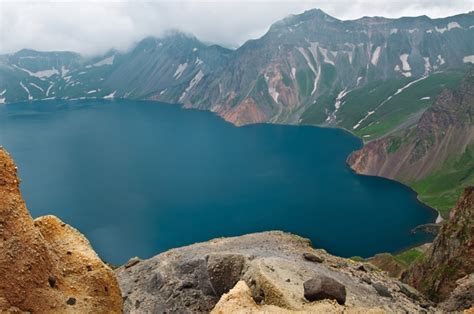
(132, 262)
(410, 292)
(382, 290)
(362, 268)
(186, 285)
(52, 281)
(313, 258)
(224, 271)
(71, 301)
(431, 228)
(367, 280)
(366, 267)
(322, 287)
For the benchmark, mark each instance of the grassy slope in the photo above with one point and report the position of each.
(442, 188)
(409, 102)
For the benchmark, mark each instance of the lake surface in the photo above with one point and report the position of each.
(138, 178)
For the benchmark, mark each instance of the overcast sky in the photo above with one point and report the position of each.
(92, 27)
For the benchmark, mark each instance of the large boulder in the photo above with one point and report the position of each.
(322, 287)
(45, 264)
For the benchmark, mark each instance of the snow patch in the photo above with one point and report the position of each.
(359, 79)
(272, 91)
(92, 91)
(393, 31)
(316, 74)
(27, 90)
(427, 65)
(163, 91)
(293, 72)
(449, 27)
(106, 61)
(326, 59)
(40, 74)
(38, 87)
(2, 99)
(64, 71)
(387, 100)
(349, 55)
(440, 60)
(425, 98)
(193, 83)
(453, 25)
(111, 95)
(376, 56)
(198, 61)
(406, 74)
(468, 59)
(405, 64)
(179, 70)
(49, 88)
(411, 31)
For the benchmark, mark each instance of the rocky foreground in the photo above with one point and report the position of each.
(45, 264)
(275, 271)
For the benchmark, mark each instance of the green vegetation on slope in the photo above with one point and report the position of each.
(412, 100)
(316, 113)
(442, 188)
(359, 102)
(408, 257)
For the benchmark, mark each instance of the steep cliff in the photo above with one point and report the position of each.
(450, 258)
(435, 157)
(45, 264)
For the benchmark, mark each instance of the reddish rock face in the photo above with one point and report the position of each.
(444, 130)
(46, 265)
(451, 255)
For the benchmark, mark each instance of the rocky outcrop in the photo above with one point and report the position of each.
(444, 132)
(263, 272)
(239, 300)
(450, 258)
(45, 264)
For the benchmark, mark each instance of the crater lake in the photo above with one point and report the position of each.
(138, 178)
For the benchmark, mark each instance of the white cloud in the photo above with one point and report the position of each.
(92, 27)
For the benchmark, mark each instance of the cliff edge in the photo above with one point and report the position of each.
(447, 271)
(45, 264)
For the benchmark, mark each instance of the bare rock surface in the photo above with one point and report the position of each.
(450, 257)
(270, 270)
(45, 264)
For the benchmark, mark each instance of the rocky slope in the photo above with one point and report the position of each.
(450, 258)
(45, 264)
(435, 156)
(272, 270)
(302, 69)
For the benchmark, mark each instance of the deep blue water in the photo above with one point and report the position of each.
(138, 178)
